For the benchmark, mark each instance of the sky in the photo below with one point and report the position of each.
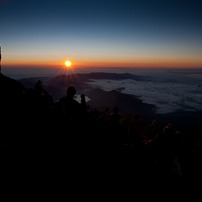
(101, 33)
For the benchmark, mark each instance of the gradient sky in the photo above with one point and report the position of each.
(104, 33)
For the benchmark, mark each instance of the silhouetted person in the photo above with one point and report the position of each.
(71, 109)
(43, 96)
(39, 104)
(83, 105)
(68, 105)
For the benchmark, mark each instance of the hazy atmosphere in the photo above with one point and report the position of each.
(101, 33)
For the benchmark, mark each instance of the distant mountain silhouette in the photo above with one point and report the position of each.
(97, 75)
(57, 85)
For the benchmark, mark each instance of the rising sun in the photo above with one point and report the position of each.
(68, 63)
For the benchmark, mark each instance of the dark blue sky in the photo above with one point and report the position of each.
(129, 32)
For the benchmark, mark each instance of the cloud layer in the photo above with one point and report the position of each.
(166, 96)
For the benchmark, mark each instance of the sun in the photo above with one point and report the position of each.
(68, 63)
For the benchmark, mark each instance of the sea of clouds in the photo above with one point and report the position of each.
(167, 96)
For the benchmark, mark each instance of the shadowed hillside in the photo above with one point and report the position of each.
(95, 144)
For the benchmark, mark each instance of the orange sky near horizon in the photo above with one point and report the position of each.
(101, 33)
(109, 56)
(105, 62)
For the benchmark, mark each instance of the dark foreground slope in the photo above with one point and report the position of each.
(96, 150)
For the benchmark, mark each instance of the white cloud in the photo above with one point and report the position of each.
(166, 96)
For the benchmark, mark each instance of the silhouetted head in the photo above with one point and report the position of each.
(39, 85)
(71, 91)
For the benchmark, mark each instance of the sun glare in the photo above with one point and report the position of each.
(68, 63)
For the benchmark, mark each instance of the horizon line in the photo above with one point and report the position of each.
(104, 67)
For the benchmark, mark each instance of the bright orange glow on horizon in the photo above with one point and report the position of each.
(163, 62)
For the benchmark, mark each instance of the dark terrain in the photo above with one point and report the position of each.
(100, 147)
